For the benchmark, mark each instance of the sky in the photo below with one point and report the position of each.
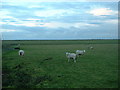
(50, 20)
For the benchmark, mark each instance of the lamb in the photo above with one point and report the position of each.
(21, 52)
(71, 56)
(80, 52)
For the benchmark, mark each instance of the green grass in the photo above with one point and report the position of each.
(45, 64)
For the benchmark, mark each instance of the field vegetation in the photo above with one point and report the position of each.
(45, 65)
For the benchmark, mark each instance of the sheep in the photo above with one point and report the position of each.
(80, 52)
(71, 56)
(91, 47)
(21, 52)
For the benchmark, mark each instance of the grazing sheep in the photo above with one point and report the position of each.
(80, 52)
(21, 52)
(71, 56)
(91, 47)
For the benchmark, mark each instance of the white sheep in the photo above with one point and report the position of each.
(91, 47)
(21, 52)
(71, 56)
(80, 52)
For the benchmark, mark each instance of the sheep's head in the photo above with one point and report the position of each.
(66, 53)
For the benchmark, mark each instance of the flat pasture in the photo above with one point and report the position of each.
(45, 65)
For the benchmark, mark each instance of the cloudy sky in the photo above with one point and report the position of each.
(58, 20)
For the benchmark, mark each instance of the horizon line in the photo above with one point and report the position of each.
(61, 39)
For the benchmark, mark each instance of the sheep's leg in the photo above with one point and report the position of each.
(74, 60)
(68, 60)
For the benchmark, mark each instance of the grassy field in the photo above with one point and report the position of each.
(45, 64)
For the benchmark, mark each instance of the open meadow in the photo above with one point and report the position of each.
(45, 65)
